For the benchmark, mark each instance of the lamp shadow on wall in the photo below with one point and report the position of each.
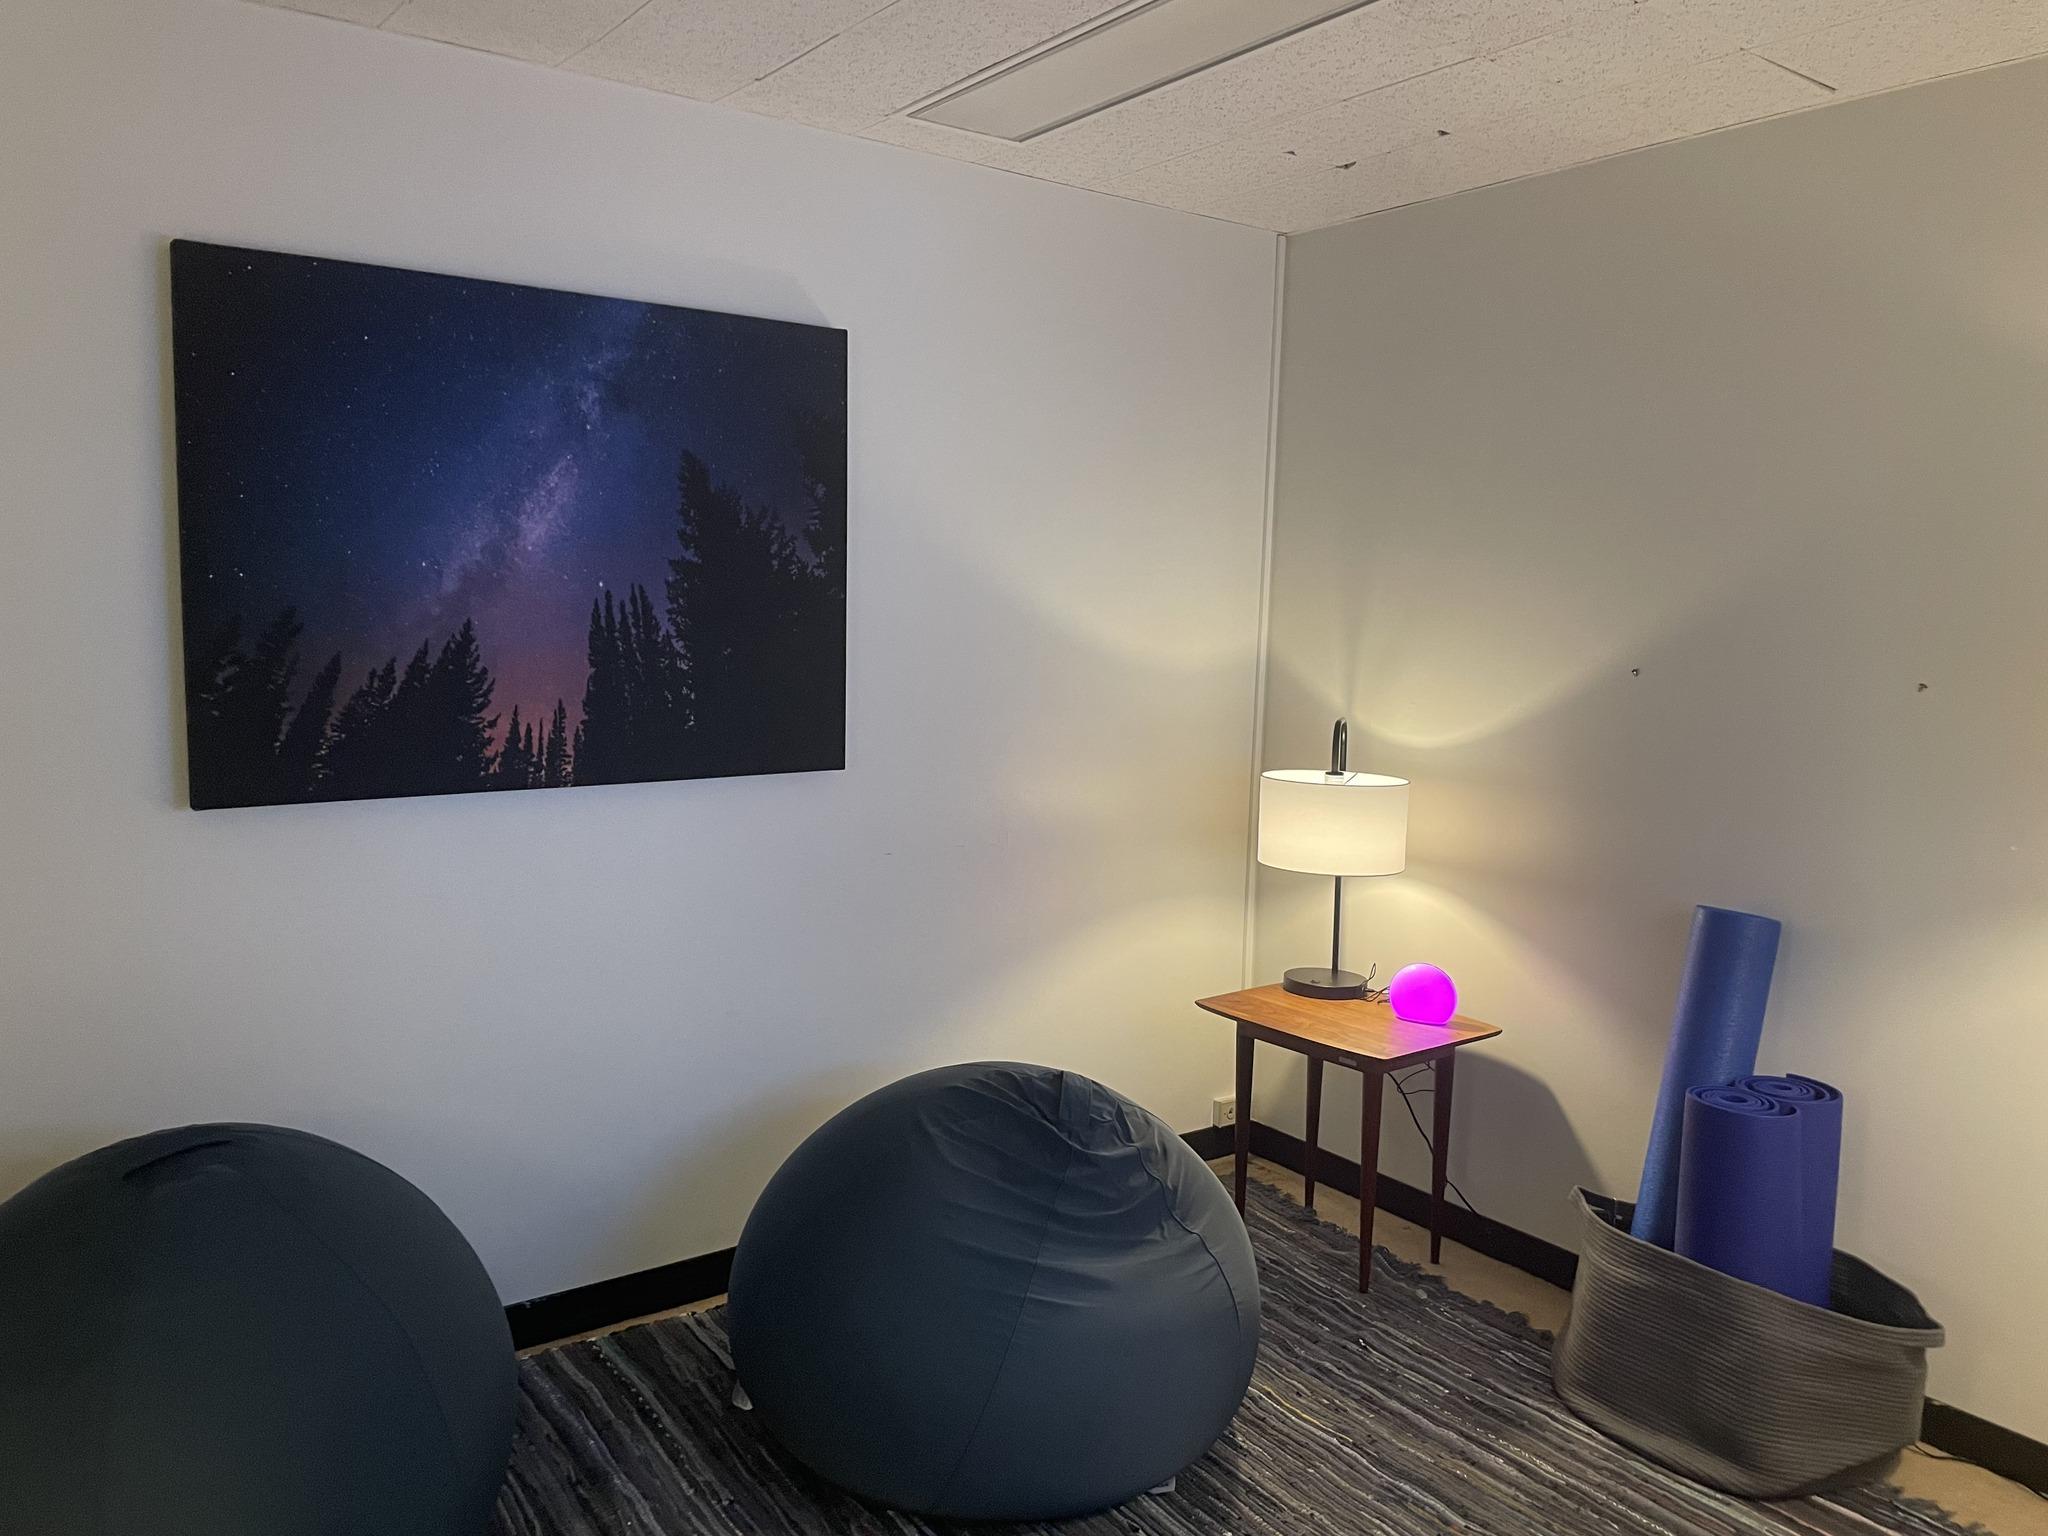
(1544, 1132)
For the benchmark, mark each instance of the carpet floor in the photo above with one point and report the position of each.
(1409, 1412)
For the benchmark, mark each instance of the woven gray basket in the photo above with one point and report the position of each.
(1733, 1385)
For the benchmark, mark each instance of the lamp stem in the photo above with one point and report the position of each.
(1340, 762)
(1337, 924)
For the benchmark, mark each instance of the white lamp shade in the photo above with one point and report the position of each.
(1333, 823)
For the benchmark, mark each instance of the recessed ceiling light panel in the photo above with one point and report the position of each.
(1134, 51)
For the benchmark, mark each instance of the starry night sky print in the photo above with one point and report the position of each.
(393, 452)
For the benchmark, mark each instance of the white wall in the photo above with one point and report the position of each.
(1764, 418)
(591, 1024)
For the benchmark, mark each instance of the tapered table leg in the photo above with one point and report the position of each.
(1244, 1113)
(1368, 1171)
(1440, 1154)
(1315, 1126)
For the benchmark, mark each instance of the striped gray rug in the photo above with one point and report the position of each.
(1414, 1411)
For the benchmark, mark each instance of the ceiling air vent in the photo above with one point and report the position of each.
(1135, 50)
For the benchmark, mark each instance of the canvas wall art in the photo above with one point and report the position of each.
(441, 535)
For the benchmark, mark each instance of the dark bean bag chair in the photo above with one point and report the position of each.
(995, 1292)
(234, 1330)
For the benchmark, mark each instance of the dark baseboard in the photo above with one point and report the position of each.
(1211, 1141)
(1482, 1234)
(1992, 1446)
(607, 1303)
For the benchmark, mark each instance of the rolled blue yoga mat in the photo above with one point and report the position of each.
(1714, 1035)
(1818, 1108)
(1742, 1192)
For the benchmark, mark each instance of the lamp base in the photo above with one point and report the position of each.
(1321, 981)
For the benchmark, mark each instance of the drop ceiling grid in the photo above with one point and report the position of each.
(1395, 102)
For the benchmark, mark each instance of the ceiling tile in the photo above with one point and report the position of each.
(1360, 129)
(1227, 172)
(710, 48)
(1714, 94)
(1488, 26)
(1432, 167)
(547, 31)
(1348, 55)
(1719, 93)
(932, 138)
(1917, 42)
(1320, 197)
(1524, 146)
(371, 13)
(1616, 47)
(1387, 41)
(904, 54)
(1458, 99)
(1760, 21)
(1461, 99)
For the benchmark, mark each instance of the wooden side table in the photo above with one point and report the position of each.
(1366, 1037)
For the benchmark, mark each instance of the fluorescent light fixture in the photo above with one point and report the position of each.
(1134, 51)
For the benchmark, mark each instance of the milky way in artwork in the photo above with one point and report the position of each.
(625, 521)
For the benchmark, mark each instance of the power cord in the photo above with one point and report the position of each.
(1373, 994)
(1408, 1101)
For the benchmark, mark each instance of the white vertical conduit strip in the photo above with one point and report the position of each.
(1251, 843)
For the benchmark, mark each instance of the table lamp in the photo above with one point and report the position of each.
(1334, 823)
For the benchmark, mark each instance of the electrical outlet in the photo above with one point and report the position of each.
(1224, 1111)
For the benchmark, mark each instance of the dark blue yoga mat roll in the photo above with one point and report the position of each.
(1741, 1189)
(1714, 1035)
(1818, 1108)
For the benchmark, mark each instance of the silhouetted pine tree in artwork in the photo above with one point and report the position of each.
(299, 752)
(755, 613)
(375, 744)
(554, 763)
(514, 764)
(636, 703)
(601, 738)
(248, 745)
(352, 764)
(454, 734)
(657, 701)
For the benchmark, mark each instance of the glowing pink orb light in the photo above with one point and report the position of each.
(1423, 994)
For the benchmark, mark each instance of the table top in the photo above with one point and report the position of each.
(1338, 1028)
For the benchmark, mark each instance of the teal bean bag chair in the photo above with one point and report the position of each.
(995, 1292)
